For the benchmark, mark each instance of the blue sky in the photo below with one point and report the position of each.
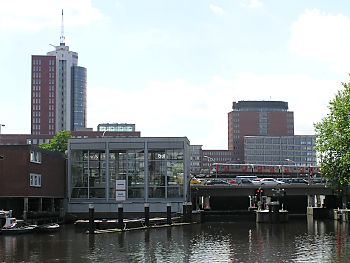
(174, 67)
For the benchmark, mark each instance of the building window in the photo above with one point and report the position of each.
(35, 180)
(35, 157)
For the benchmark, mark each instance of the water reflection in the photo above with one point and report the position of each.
(296, 241)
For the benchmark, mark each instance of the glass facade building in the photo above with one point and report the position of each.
(276, 150)
(132, 171)
(78, 97)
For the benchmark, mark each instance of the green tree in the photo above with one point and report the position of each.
(333, 140)
(58, 143)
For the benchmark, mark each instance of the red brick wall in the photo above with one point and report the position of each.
(277, 124)
(16, 167)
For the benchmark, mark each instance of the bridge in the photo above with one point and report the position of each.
(249, 190)
(295, 197)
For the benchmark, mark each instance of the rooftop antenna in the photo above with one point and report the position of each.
(62, 38)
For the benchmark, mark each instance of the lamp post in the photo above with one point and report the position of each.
(1, 125)
(211, 160)
(289, 160)
(295, 164)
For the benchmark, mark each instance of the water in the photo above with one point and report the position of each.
(296, 241)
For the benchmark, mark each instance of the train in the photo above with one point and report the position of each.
(232, 170)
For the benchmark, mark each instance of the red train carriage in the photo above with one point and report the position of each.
(266, 169)
(231, 170)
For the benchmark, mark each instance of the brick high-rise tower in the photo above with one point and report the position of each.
(58, 91)
(257, 118)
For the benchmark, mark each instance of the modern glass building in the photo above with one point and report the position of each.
(78, 97)
(130, 171)
(284, 150)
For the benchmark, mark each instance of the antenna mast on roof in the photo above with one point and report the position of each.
(62, 38)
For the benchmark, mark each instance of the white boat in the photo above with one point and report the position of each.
(4, 213)
(48, 228)
(11, 227)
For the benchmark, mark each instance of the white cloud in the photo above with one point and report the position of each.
(36, 15)
(323, 37)
(175, 108)
(253, 3)
(217, 10)
(179, 108)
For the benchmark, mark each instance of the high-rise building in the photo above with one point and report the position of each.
(257, 118)
(58, 91)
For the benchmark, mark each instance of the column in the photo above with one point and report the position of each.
(25, 208)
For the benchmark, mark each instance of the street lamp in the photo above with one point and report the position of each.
(289, 160)
(295, 164)
(1, 125)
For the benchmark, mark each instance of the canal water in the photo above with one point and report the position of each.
(296, 241)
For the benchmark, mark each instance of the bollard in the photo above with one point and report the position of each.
(189, 212)
(120, 216)
(168, 213)
(147, 214)
(91, 219)
(184, 214)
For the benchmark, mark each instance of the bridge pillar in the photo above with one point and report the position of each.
(25, 208)
(310, 202)
(201, 202)
(313, 201)
(206, 203)
(253, 202)
(320, 200)
(345, 201)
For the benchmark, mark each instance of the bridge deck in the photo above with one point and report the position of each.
(246, 190)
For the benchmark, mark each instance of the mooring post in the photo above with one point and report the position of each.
(147, 214)
(189, 212)
(120, 216)
(91, 219)
(184, 210)
(168, 213)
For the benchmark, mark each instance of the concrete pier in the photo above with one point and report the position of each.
(341, 215)
(272, 215)
(317, 212)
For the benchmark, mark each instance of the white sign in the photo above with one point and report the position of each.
(120, 195)
(120, 185)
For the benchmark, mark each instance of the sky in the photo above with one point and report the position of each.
(173, 68)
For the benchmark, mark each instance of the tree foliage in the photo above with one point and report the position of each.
(58, 143)
(333, 139)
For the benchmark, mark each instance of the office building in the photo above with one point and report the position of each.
(13, 139)
(58, 91)
(33, 182)
(257, 118)
(196, 159)
(209, 157)
(281, 150)
(129, 171)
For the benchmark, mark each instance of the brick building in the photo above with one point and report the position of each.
(33, 181)
(257, 118)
